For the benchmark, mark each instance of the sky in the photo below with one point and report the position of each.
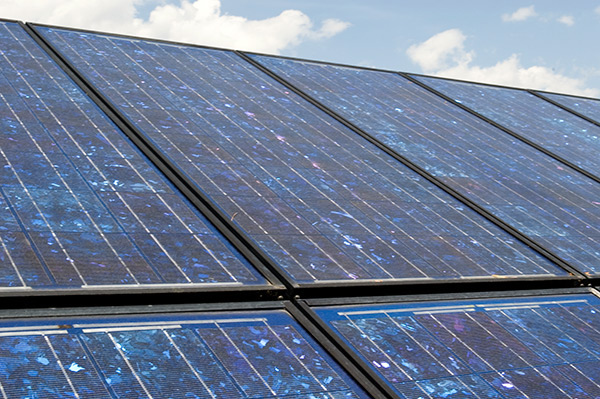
(546, 45)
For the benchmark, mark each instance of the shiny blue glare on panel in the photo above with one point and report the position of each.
(555, 129)
(266, 355)
(585, 106)
(511, 348)
(321, 201)
(79, 205)
(535, 194)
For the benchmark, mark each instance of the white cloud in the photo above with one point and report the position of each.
(445, 55)
(567, 20)
(521, 14)
(440, 51)
(597, 10)
(330, 27)
(199, 21)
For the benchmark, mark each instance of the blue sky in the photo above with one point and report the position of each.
(548, 45)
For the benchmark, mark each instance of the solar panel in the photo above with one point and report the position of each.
(257, 354)
(585, 106)
(559, 131)
(532, 347)
(532, 192)
(322, 202)
(80, 205)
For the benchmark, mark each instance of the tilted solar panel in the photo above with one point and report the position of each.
(255, 354)
(79, 205)
(564, 134)
(532, 192)
(322, 202)
(533, 347)
(585, 106)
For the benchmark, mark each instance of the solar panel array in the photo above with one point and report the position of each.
(322, 202)
(559, 131)
(544, 347)
(213, 355)
(534, 193)
(322, 175)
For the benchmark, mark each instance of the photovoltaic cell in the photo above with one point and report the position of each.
(585, 106)
(322, 202)
(79, 205)
(217, 355)
(557, 130)
(535, 194)
(535, 347)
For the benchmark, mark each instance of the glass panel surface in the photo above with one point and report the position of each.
(322, 202)
(535, 194)
(561, 132)
(217, 355)
(534, 347)
(79, 205)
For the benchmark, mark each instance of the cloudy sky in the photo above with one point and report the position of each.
(548, 45)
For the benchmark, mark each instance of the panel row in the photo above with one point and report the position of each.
(323, 203)
(539, 196)
(515, 347)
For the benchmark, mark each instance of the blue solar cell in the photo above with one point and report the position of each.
(79, 205)
(535, 347)
(218, 355)
(47, 366)
(545, 124)
(585, 106)
(322, 202)
(457, 387)
(535, 194)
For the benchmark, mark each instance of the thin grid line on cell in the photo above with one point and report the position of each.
(187, 362)
(243, 356)
(129, 365)
(12, 261)
(60, 365)
(282, 342)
